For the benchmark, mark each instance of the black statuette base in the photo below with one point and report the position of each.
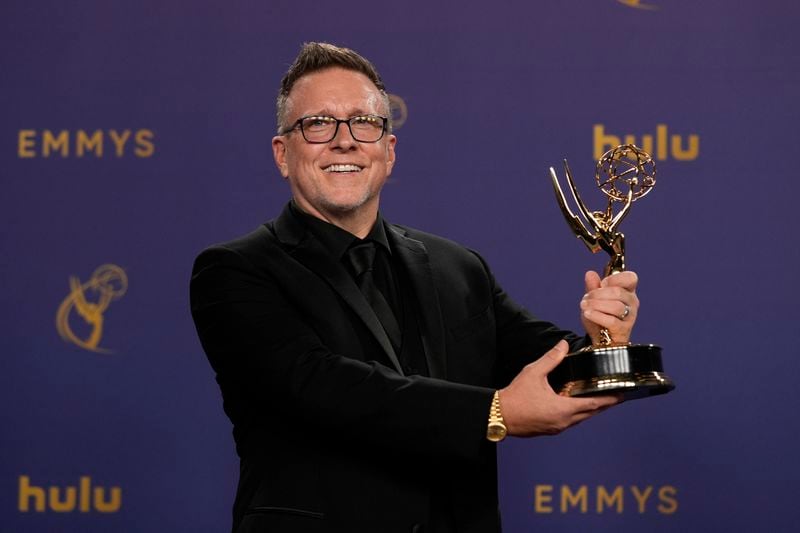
(633, 370)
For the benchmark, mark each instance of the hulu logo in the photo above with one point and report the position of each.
(661, 145)
(85, 498)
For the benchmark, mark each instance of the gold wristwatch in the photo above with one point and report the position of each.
(496, 430)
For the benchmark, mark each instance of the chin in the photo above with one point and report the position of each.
(342, 208)
(345, 205)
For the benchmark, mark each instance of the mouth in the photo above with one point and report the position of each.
(342, 168)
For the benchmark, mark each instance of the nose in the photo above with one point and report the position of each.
(343, 139)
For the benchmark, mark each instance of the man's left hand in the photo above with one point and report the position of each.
(610, 303)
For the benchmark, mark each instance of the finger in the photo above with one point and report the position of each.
(591, 281)
(627, 280)
(604, 320)
(553, 357)
(594, 404)
(614, 308)
(613, 293)
(579, 417)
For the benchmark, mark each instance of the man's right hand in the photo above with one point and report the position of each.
(530, 407)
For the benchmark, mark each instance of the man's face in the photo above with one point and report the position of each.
(343, 177)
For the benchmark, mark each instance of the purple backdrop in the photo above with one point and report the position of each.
(134, 134)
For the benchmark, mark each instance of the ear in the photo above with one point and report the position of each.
(279, 154)
(390, 154)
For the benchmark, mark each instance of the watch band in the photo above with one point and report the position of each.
(496, 430)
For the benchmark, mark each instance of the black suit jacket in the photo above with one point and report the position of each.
(332, 436)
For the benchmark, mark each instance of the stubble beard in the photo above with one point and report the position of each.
(344, 209)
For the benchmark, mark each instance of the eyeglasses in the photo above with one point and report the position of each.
(321, 129)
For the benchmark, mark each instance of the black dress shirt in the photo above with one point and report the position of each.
(390, 279)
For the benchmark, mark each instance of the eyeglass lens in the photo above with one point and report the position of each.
(367, 128)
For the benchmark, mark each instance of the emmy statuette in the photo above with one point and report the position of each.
(624, 174)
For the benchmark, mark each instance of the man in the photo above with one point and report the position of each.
(360, 390)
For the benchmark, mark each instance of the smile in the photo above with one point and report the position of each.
(342, 168)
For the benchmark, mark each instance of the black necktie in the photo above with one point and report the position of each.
(362, 259)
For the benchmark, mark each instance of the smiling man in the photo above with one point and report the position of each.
(370, 369)
(336, 168)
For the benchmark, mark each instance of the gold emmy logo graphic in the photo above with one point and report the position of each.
(82, 143)
(617, 499)
(90, 300)
(637, 4)
(399, 111)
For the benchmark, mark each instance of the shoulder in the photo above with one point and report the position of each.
(251, 242)
(250, 248)
(269, 240)
(441, 251)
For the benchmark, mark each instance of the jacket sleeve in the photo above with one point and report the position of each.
(273, 370)
(522, 337)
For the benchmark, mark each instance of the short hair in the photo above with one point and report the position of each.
(314, 57)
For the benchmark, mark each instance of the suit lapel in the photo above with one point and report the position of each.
(414, 257)
(309, 251)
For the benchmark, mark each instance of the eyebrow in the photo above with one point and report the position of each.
(326, 113)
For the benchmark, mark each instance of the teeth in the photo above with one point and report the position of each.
(343, 168)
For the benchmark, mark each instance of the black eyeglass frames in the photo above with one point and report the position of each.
(320, 129)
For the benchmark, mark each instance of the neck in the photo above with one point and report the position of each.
(359, 221)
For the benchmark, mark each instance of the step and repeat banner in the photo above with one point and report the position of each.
(134, 134)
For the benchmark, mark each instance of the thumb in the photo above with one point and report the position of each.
(591, 280)
(553, 357)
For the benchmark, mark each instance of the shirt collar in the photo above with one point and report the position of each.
(336, 239)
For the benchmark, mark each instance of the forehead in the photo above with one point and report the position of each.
(334, 91)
